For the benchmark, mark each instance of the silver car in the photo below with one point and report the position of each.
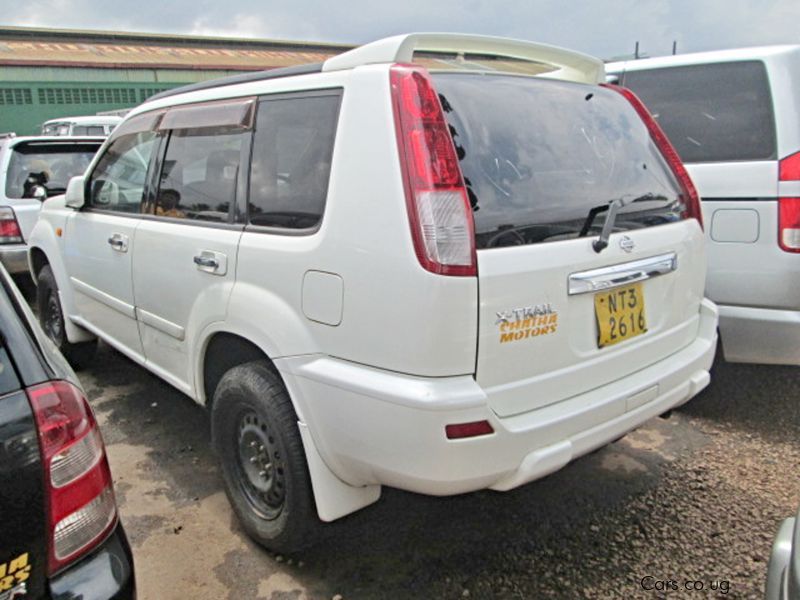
(783, 574)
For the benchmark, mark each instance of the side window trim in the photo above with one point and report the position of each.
(153, 174)
(337, 92)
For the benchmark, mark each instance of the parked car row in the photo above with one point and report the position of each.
(552, 301)
(248, 239)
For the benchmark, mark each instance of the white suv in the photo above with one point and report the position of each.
(437, 262)
(733, 117)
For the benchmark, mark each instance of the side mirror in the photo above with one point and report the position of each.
(39, 192)
(76, 189)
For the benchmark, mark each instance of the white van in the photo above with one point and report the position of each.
(437, 262)
(734, 118)
(97, 125)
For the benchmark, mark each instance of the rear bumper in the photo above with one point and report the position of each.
(376, 427)
(105, 574)
(760, 335)
(14, 258)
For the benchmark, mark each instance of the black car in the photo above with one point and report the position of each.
(60, 534)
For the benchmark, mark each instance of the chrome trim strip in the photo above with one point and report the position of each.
(160, 323)
(604, 278)
(103, 298)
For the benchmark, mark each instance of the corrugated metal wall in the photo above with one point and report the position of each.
(29, 96)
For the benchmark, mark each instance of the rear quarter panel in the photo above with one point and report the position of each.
(394, 314)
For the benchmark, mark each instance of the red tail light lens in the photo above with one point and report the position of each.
(789, 169)
(690, 195)
(9, 228)
(80, 496)
(439, 211)
(789, 224)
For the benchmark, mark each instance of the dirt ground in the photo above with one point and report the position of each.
(696, 498)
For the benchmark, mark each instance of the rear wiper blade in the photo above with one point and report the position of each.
(611, 209)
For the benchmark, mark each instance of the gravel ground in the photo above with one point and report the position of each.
(697, 497)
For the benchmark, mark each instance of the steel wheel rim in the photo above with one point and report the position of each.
(52, 318)
(260, 464)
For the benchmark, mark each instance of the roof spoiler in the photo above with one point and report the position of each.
(570, 65)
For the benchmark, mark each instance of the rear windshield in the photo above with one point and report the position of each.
(49, 165)
(711, 113)
(542, 159)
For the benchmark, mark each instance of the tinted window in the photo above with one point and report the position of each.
(539, 155)
(711, 113)
(117, 182)
(292, 150)
(199, 174)
(80, 130)
(51, 165)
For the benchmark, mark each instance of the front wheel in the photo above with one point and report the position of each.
(255, 434)
(51, 318)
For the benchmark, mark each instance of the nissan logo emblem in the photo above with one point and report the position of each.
(626, 244)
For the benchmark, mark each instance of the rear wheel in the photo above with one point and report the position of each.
(51, 318)
(254, 428)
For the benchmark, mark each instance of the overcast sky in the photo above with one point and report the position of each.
(605, 28)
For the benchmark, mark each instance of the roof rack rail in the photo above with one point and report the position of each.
(243, 78)
(570, 65)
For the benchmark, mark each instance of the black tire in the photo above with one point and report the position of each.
(254, 432)
(51, 318)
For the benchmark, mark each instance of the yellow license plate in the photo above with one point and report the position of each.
(620, 314)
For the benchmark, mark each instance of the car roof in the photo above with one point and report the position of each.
(699, 58)
(97, 120)
(51, 139)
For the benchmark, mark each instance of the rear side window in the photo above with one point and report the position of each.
(711, 113)
(541, 159)
(292, 152)
(200, 173)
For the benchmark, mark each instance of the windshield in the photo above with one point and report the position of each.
(540, 156)
(51, 166)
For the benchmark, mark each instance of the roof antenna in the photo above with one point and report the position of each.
(674, 47)
(636, 51)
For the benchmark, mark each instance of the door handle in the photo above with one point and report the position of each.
(118, 242)
(208, 262)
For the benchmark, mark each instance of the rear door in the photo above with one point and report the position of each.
(542, 161)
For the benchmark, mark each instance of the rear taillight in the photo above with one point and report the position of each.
(789, 208)
(691, 199)
(789, 224)
(789, 169)
(439, 210)
(9, 228)
(80, 496)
